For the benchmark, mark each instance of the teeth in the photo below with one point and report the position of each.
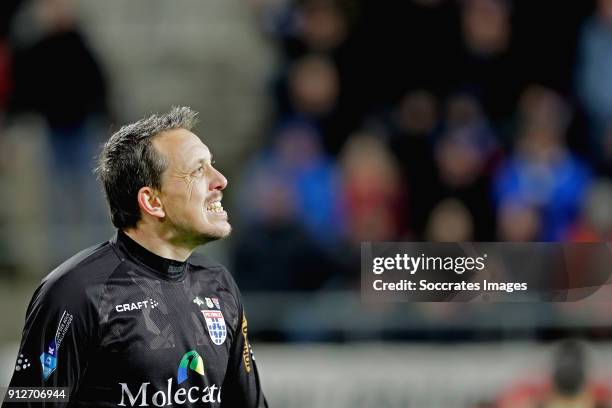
(215, 207)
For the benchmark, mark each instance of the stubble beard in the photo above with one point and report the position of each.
(198, 238)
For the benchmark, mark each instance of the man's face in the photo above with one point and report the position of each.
(191, 189)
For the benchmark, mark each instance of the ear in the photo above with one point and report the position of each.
(150, 203)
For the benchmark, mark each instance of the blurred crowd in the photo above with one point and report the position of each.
(417, 120)
(435, 120)
(50, 73)
(410, 120)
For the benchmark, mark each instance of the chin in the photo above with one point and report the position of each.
(217, 233)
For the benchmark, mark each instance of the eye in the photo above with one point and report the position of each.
(199, 170)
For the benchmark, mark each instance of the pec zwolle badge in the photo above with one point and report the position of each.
(216, 325)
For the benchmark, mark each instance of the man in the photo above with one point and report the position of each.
(140, 320)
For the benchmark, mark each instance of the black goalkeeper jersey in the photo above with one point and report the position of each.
(121, 326)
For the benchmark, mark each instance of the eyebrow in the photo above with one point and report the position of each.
(201, 161)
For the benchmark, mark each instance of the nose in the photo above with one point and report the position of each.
(217, 181)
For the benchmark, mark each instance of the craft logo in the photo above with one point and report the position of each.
(216, 325)
(198, 301)
(144, 304)
(48, 359)
(191, 361)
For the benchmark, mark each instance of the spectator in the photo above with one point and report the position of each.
(374, 192)
(294, 193)
(414, 123)
(60, 78)
(310, 92)
(488, 63)
(542, 173)
(296, 157)
(273, 252)
(462, 157)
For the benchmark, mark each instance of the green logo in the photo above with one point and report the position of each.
(192, 360)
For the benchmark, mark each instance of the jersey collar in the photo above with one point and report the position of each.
(168, 269)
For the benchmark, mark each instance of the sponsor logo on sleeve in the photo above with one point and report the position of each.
(48, 358)
(246, 349)
(22, 363)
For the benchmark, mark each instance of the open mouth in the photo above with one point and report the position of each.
(215, 207)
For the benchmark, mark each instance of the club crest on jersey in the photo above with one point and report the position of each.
(216, 326)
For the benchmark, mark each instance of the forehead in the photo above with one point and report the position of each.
(181, 148)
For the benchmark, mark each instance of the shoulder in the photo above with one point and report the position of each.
(71, 292)
(217, 271)
(82, 276)
(200, 261)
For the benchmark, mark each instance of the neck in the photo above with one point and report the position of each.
(158, 243)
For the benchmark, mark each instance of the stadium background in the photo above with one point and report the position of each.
(336, 122)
